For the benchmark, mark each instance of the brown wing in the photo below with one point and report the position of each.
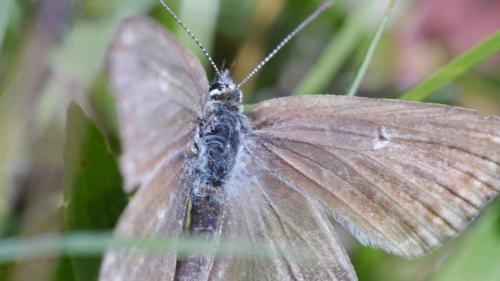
(160, 90)
(400, 176)
(261, 207)
(264, 208)
(156, 210)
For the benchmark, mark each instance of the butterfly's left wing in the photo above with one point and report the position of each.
(161, 89)
(156, 210)
(401, 176)
(264, 208)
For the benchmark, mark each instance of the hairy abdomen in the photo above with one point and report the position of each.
(214, 152)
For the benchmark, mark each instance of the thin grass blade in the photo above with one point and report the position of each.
(456, 68)
(336, 52)
(88, 244)
(371, 50)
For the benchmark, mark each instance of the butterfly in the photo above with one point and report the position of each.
(400, 176)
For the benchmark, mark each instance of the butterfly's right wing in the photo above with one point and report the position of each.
(160, 88)
(401, 176)
(264, 209)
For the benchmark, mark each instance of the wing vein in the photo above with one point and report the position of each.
(375, 227)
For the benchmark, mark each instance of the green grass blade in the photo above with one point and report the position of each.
(371, 50)
(94, 244)
(456, 68)
(336, 52)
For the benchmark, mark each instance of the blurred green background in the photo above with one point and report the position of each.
(58, 170)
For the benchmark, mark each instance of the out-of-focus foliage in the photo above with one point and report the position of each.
(53, 52)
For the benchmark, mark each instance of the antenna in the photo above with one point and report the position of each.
(188, 31)
(301, 26)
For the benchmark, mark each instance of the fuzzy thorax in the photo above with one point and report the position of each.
(224, 90)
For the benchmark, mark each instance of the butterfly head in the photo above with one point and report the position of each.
(226, 91)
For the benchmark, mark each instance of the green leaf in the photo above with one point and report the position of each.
(477, 257)
(93, 191)
(64, 270)
(456, 68)
(103, 102)
(371, 50)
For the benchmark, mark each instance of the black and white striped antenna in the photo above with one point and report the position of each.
(188, 31)
(252, 73)
(292, 34)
